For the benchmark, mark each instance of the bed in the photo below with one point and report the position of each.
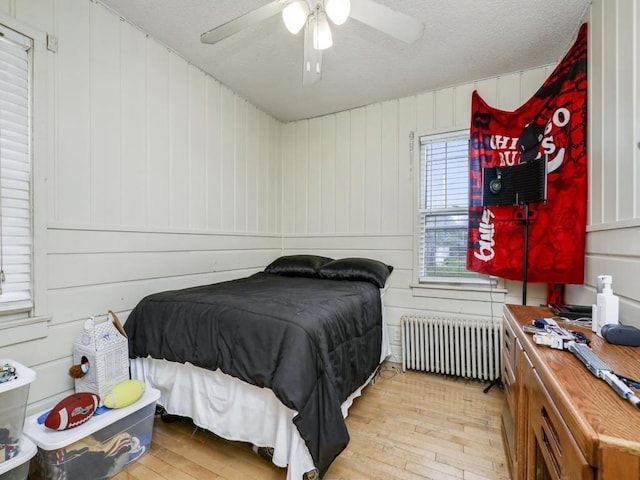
(274, 359)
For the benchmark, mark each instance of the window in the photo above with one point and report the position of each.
(15, 172)
(443, 207)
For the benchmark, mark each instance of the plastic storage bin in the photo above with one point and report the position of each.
(97, 449)
(18, 467)
(13, 405)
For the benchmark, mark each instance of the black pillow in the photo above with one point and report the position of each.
(297, 265)
(360, 269)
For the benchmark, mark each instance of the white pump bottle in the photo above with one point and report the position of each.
(607, 305)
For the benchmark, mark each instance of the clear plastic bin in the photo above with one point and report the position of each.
(18, 467)
(13, 405)
(97, 449)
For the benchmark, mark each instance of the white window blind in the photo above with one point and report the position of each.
(15, 172)
(443, 207)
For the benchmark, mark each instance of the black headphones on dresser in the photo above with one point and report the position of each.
(621, 334)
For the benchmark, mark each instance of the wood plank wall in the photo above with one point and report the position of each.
(348, 190)
(156, 177)
(349, 178)
(613, 236)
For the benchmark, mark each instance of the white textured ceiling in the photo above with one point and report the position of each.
(464, 40)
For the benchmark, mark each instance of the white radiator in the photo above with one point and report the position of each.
(464, 347)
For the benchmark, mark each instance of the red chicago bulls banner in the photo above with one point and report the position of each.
(551, 127)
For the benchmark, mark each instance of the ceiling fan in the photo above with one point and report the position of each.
(313, 15)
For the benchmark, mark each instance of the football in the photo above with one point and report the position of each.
(72, 411)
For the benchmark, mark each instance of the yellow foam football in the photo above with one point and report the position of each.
(124, 394)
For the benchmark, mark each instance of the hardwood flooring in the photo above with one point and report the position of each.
(405, 426)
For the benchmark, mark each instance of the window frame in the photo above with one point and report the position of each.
(466, 282)
(26, 325)
(19, 178)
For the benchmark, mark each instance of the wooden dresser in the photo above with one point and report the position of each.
(561, 422)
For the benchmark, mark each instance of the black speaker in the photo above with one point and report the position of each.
(621, 334)
(516, 184)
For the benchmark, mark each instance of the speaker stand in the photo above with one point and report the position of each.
(494, 382)
(525, 254)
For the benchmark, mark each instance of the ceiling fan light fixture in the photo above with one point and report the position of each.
(295, 15)
(311, 72)
(322, 38)
(338, 10)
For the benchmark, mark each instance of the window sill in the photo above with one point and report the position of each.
(23, 330)
(454, 289)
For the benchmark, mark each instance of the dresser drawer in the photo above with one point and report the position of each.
(509, 366)
(555, 443)
(509, 345)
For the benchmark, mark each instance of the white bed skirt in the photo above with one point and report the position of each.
(233, 409)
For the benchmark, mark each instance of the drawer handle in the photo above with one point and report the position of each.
(550, 454)
(552, 430)
(507, 339)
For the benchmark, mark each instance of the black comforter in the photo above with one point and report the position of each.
(312, 341)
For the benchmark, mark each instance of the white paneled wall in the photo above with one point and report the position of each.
(613, 236)
(157, 177)
(146, 139)
(614, 74)
(351, 172)
(348, 187)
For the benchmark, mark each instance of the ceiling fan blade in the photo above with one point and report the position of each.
(393, 23)
(243, 21)
(312, 58)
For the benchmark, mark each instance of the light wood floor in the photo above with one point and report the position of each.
(409, 425)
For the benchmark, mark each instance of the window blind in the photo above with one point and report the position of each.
(443, 206)
(15, 172)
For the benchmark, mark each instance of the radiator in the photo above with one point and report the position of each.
(464, 347)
